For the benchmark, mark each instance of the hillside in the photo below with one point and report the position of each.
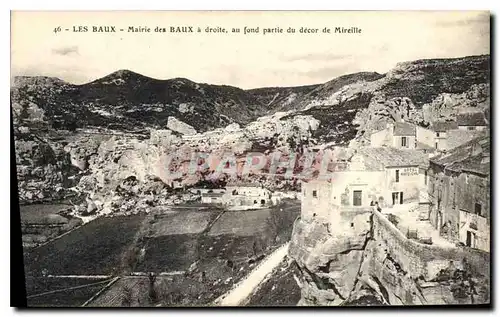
(126, 99)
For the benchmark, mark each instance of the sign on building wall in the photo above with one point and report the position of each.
(409, 171)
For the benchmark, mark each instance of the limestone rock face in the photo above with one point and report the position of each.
(179, 126)
(44, 170)
(329, 257)
(348, 265)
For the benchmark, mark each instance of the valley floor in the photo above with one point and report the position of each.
(196, 254)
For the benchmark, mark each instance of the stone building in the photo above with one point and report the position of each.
(471, 121)
(459, 191)
(384, 175)
(442, 128)
(449, 135)
(404, 135)
(247, 196)
(212, 198)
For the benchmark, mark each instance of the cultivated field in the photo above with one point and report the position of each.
(280, 289)
(241, 223)
(170, 291)
(169, 253)
(61, 292)
(40, 212)
(183, 222)
(95, 248)
(211, 248)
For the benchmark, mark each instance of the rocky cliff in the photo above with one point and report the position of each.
(362, 260)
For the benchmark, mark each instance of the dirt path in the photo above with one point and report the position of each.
(244, 289)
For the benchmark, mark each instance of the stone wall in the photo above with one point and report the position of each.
(364, 253)
(421, 259)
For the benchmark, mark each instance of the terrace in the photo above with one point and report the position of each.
(408, 220)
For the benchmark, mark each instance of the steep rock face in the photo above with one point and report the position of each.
(360, 263)
(44, 170)
(329, 257)
(178, 126)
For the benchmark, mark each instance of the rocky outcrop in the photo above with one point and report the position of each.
(44, 170)
(178, 126)
(362, 262)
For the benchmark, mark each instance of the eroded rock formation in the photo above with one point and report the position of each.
(362, 261)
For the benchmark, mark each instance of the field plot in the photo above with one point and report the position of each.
(183, 222)
(229, 247)
(241, 223)
(280, 289)
(95, 248)
(169, 253)
(170, 291)
(61, 292)
(40, 213)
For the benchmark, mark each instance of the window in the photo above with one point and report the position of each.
(356, 197)
(397, 176)
(401, 198)
(477, 208)
(471, 128)
(437, 134)
(425, 178)
(304, 192)
(315, 193)
(403, 142)
(436, 145)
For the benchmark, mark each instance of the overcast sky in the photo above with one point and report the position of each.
(246, 61)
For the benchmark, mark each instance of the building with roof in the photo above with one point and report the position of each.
(212, 198)
(442, 129)
(459, 190)
(471, 121)
(383, 175)
(404, 135)
(239, 196)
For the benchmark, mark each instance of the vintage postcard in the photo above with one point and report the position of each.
(233, 158)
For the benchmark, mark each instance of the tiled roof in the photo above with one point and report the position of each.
(212, 194)
(471, 119)
(456, 138)
(404, 129)
(442, 126)
(378, 158)
(472, 156)
(423, 146)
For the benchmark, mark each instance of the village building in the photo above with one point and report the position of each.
(442, 130)
(385, 176)
(471, 121)
(212, 198)
(209, 195)
(449, 135)
(459, 190)
(404, 135)
(248, 196)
